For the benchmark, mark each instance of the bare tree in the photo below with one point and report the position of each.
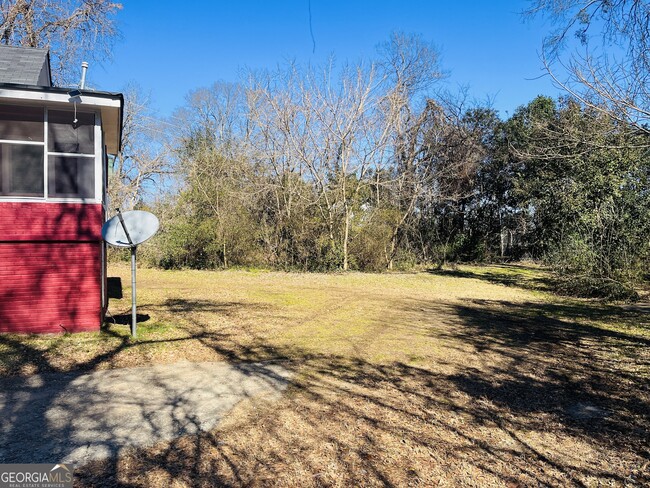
(318, 129)
(327, 165)
(275, 133)
(334, 127)
(212, 161)
(409, 64)
(218, 113)
(410, 67)
(346, 137)
(70, 29)
(600, 54)
(144, 160)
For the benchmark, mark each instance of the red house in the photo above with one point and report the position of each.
(54, 147)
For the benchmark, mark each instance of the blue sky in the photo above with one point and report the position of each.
(170, 47)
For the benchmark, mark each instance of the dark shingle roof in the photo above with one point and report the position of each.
(24, 66)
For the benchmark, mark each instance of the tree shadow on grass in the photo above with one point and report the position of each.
(516, 275)
(523, 394)
(187, 305)
(533, 400)
(592, 380)
(29, 403)
(358, 424)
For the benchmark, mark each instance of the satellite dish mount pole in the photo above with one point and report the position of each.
(143, 225)
(133, 252)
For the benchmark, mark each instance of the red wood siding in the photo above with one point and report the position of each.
(50, 267)
(51, 222)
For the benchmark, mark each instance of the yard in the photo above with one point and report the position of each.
(472, 377)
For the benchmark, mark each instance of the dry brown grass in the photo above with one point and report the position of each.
(467, 378)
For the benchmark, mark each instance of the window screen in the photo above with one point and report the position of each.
(67, 137)
(21, 123)
(21, 170)
(71, 177)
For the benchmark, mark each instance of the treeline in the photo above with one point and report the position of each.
(370, 167)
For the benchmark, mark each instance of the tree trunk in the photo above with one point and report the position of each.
(346, 236)
(225, 259)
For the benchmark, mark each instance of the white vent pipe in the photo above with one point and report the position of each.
(84, 68)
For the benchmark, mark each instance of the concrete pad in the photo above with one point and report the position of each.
(75, 417)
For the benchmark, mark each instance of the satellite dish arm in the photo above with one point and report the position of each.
(119, 214)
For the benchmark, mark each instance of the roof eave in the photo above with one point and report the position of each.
(103, 100)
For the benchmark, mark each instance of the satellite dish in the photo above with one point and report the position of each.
(129, 229)
(137, 225)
